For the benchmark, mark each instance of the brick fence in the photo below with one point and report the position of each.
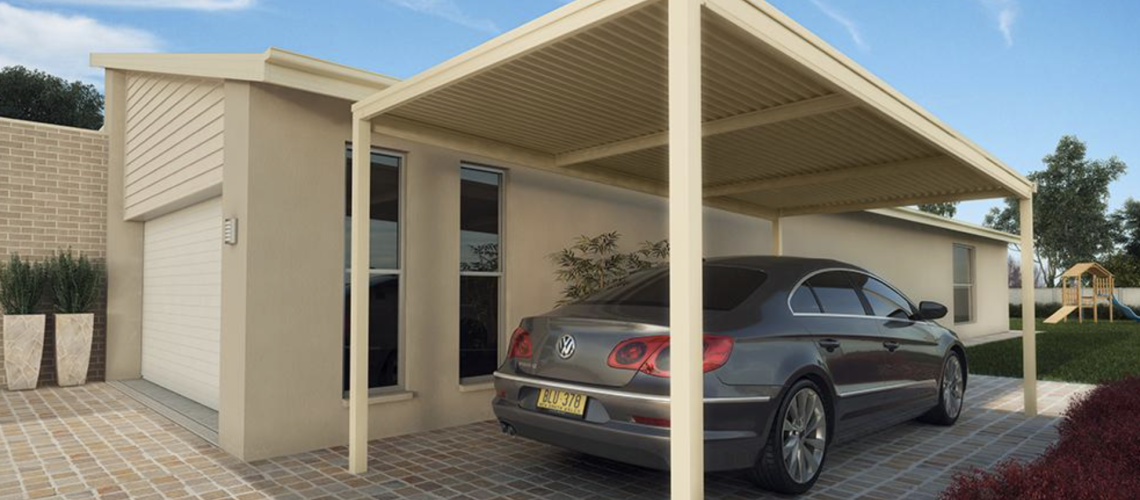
(53, 195)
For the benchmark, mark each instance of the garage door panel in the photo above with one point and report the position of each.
(182, 301)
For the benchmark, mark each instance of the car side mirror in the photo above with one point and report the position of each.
(931, 310)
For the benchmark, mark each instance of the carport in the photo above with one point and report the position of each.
(722, 103)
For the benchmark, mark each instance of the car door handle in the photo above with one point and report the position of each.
(891, 345)
(830, 344)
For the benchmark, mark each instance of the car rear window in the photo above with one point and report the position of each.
(725, 288)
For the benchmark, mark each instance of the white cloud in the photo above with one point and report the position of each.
(162, 4)
(847, 23)
(448, 10)
(1006, 13)
(61, 44)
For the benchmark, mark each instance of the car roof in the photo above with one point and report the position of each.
(781, 265)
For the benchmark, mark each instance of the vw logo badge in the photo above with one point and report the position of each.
(566, 346)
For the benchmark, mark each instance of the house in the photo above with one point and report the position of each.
(228, 248)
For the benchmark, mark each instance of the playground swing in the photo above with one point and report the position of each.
(1075, 296)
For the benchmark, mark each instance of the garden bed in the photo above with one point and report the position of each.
(1097, 455)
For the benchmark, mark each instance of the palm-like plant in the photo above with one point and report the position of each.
(594, 264)
(75, 282)
(21, 285)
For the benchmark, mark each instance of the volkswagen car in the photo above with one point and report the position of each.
(799, 354)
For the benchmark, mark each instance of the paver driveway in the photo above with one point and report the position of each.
(94, 441)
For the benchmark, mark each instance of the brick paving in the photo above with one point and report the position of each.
(95, 442)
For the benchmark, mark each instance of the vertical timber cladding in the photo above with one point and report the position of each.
(182, 285)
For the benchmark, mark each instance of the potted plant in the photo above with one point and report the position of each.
(75, 283)
(21, 288)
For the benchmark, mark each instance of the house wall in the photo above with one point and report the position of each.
(53, 196)
(283, 288)
(174, 143)
(282, 283)
(282, 358)
(917, 259)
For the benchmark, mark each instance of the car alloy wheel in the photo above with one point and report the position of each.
(804, 435)
(953, 386)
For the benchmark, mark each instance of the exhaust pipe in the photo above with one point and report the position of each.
(507, 429)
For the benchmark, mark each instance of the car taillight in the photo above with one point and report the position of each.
(650, 355)
(632, 354)
(521, 347)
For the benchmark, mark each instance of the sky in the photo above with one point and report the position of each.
(1013, 75)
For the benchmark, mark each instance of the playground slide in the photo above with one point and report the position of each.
(1061, 314)
(1125, 310)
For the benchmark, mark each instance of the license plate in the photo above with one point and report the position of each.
(562, 401)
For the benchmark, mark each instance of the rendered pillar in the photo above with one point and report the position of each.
(358, 308)
(1028, 311)
(777, 237)
(686, 252)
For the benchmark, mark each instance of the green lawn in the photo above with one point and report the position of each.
(1070, 352)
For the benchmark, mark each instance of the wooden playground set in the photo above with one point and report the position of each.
(1079, 293)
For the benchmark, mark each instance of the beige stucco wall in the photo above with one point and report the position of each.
(174, 142)
(281, 361)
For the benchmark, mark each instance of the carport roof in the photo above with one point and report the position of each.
(791, 125)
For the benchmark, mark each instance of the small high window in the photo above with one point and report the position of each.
(963, 284)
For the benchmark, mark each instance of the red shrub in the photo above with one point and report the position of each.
(1096, 457)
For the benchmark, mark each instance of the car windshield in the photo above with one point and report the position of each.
(725, 288)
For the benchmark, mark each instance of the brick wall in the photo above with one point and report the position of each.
(53, 195)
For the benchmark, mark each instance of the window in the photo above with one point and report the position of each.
(963, 284)
(803, 301)
(480, 270)
(725, 288)
(836, 293)
(384, 271)
(884, 300)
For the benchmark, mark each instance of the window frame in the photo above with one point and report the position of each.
(972, 286)
(401, 300)
(501, 338)
(866, 306)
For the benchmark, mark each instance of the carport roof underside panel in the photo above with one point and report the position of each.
(792, 126)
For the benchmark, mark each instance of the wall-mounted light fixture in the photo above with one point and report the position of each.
(230, 231)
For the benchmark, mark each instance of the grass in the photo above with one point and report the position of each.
(1069, 352)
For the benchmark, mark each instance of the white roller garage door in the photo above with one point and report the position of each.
(182, 284)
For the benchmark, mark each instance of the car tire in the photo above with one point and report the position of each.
(951, 392)
(772, 470)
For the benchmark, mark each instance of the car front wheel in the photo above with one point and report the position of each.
(951, 392)
(792, 459)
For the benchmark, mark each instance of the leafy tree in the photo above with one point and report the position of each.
(1070, 209)
(948, 209)
(39, 97)
(1125, 268)
(1128, 221)
(595, 264)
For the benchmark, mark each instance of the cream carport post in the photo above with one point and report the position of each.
(727, 104)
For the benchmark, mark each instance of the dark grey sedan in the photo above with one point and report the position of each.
(799, 354)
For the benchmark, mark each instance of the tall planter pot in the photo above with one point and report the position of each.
(73, 347)
(23, 349)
